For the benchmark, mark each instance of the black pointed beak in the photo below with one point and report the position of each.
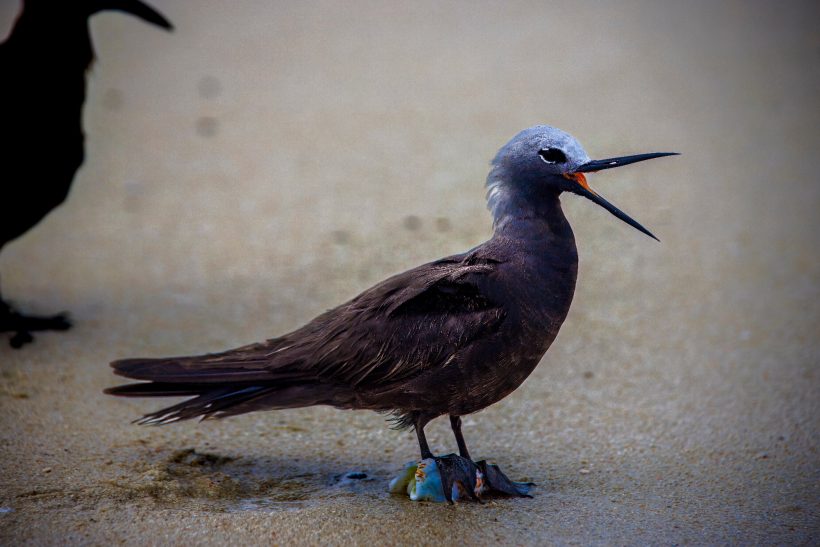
(136, 8)
(594, 197)
(609, 163)
(583, 188)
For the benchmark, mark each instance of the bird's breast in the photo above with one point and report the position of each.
(537, 296)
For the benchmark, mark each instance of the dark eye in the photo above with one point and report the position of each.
(552, 155)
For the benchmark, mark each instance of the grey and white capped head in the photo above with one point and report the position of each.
(545, 161)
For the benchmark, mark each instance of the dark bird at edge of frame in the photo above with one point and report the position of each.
(44, 63)
(450, 337)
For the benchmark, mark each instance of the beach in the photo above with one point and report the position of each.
(268, 161)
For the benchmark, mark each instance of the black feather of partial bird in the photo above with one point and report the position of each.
(44, 63)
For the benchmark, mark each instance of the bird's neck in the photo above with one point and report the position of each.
(534, 216)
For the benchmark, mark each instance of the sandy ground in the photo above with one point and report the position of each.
(267, 161)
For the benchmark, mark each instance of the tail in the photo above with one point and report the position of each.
(219, 388)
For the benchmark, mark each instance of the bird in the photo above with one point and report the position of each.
(44, 63)
(450, 337)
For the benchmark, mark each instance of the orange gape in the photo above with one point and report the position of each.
(580, 179)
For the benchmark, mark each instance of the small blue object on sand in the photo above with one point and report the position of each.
(421, 481)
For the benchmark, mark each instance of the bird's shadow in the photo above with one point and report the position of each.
(193, 478)
(214, 481)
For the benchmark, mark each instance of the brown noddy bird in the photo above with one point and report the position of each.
(44, 63)
(450, 337)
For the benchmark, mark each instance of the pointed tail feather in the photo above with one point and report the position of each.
(212, 401)
(157, 389)
(198, 369)
(214, 382)
(207, 405)
(219, 389)
(209, 400)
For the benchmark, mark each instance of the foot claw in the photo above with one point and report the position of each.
(61, 321)
(20, 339)
(22, 325)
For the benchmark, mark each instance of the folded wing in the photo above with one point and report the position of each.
(393, 332)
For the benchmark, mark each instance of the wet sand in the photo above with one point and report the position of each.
(265, 162)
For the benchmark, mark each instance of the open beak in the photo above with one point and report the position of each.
(583, 188)
(136, 8)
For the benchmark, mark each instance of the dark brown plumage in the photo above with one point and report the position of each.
(447, 338)
(388, 349)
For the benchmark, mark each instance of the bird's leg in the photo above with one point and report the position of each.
(455, 423)
(21, 325)
(420, 422)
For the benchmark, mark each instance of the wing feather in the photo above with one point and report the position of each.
(396, 330)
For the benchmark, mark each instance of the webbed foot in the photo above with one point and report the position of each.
(459, 478)
(498, 484)
(22, 326)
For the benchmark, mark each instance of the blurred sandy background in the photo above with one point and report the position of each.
(268, 160)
